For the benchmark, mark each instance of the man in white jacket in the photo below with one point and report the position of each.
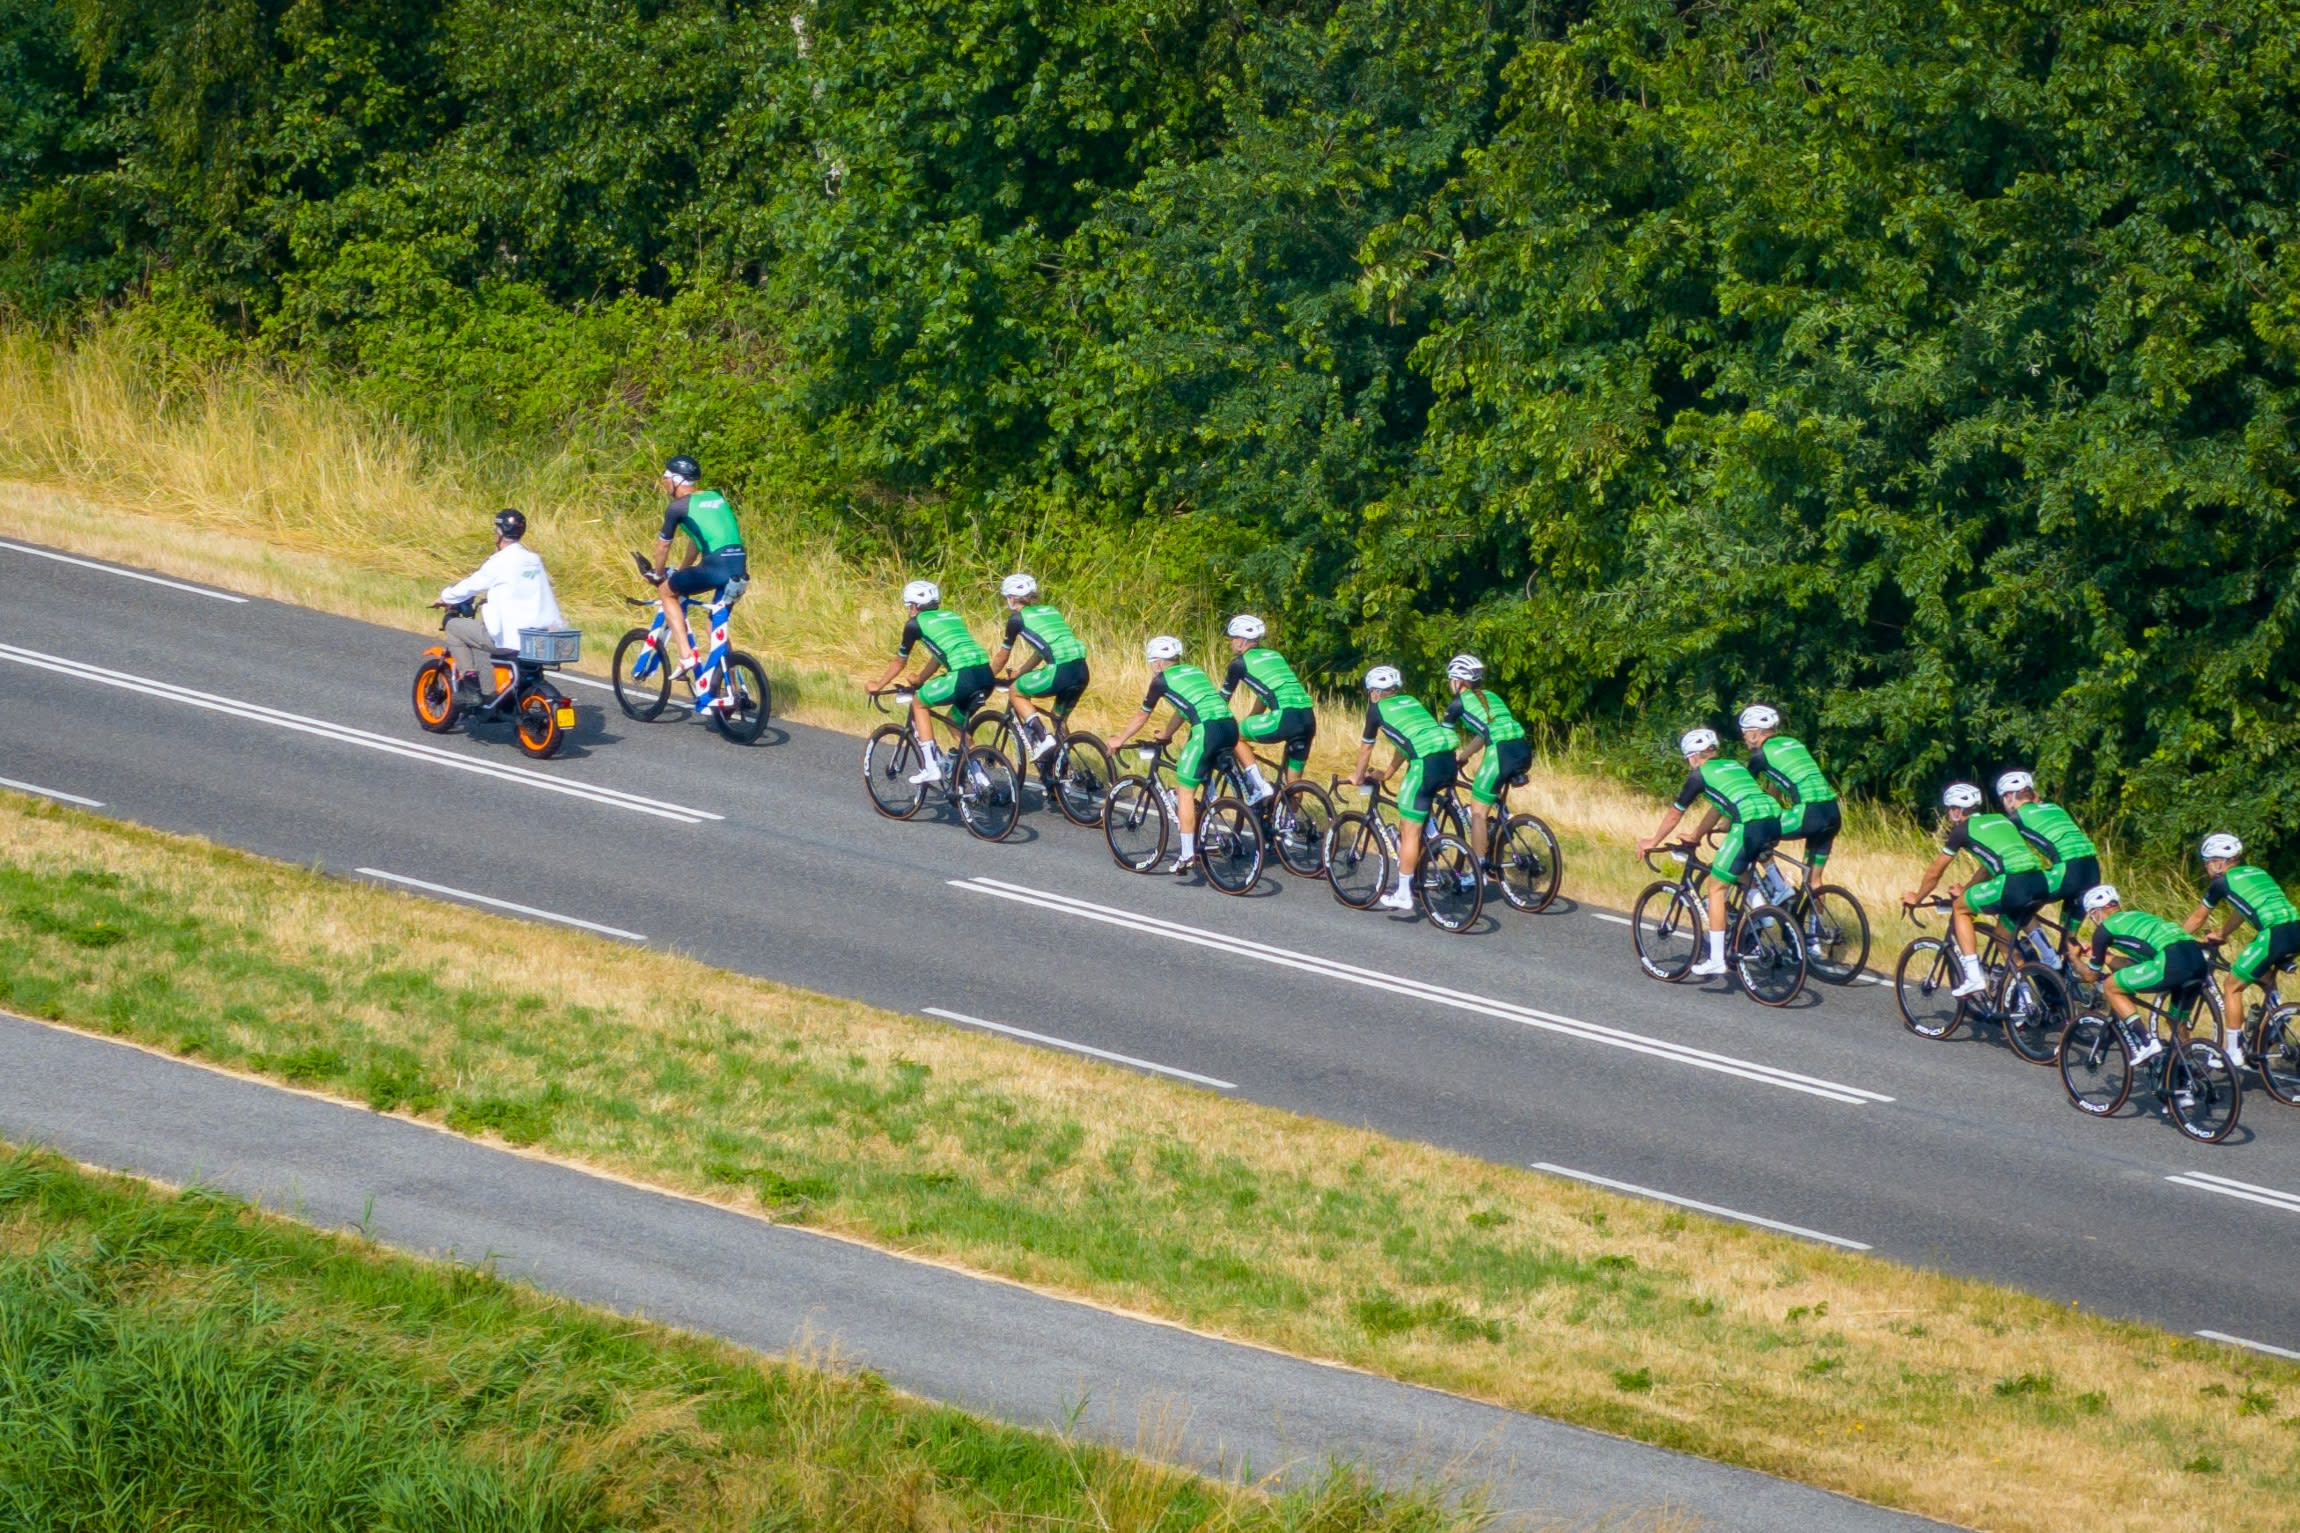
(518, 596)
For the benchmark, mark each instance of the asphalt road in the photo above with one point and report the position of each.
(1537, 1041)
(992, 1347)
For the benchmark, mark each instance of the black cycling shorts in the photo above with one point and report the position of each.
(711, 572)
(1059, 685)
(1427, 774)
(2071, 880)
(1294, 727)
(1816, 824)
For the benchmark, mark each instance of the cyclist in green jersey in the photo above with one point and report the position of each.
(966, 677)
(1197, 702)
(1495, 737)
(1284, 714)
(1733, 796)
(2141, 952)
(1425, 749)
(1059, 672)
(2075, 861)
(2012, 887)
(1811, 814)
(715, 557)
(2250, 895)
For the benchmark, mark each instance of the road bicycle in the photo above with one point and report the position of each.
(1143, 817)
(539, 713)
(1362, 863)
(2030, 1001)
(1520, 849)
(2270, 1028)
(1076, 775)
(1299, 822)
(2192, 1076)
(1669, 927)
(1830, 919)
(730, 688)
(977, 781)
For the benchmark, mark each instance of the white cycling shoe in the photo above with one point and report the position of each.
(926, 775)
(2150, 1047)
(1707, 968)
(1398, 899)
(1972, 986)
(1044, 747)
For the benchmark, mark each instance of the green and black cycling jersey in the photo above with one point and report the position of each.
(1406, 724)
(2256, 896)
(1485, 715)
(945, 635)
(1190, 692)
(1728, 786)
(1043, 629)
(707, 520)
(2137, 935)
(2048, 828)
(1995, 842)
(1265, 673)
(1787, 764)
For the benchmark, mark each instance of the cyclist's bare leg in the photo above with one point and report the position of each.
(1716, 905)
(1409, 849)
(921, 725)
(675, 619)
(1961, 926)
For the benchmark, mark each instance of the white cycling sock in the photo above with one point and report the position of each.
(1189, 843)
(1971, 964)
(1254, 781)
(1716, 947)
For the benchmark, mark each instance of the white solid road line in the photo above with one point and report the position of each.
(1080, 1048)
(33, 787)
(489, 900)
(614, 798)
(2252, 1346)
(113, 569)
(587, 681)
(1706, 1208)
(1607, 915)
(2229, 1187)
(1548, 1021)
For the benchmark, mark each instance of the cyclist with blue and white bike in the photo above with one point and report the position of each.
(715, 560)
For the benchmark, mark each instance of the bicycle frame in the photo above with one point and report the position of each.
(713, 670)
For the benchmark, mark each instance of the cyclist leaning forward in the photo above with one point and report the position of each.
(2013, 890)
(1812, 815)
(1284, 715)
(1197, 702)
(715, 558)
(1734, 797)
(1059, 672)
(1495, 737)
(2075, 869)
(966, 677)
(2149, 953)
(1425, 749)
(2250, 895)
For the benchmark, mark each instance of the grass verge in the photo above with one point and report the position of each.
(180, 1360)
(1954, 1398)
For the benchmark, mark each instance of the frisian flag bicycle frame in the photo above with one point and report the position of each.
(714, 665)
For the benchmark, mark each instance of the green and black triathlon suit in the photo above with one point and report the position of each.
(2263, 902)
(2015, 887)
(1751, 812)
(1060, 674)
(1286, 714)
(966, 677)
(1427, 746)
(1507, 752)
(1191, 693)
(2160, 955)
(2075, 860)
(709, 523)
(1812, 816)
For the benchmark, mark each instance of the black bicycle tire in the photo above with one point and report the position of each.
(1284, 819)
(1667, 973)
(1465, 873)
(1553, 862)
(905, 753)
(1780, 922)
(1838, 973)
(1941, 955)
(1351, 823)
(1001, 725)
(1000, 782)
(437, 676)
(2284, 1018)
(2213, 1055)
(1245, 828)
(1455, 819)
(1064, 770)
(1155, 802)
(2092, 1035)
(2053, 1004)
(661, 680)
(744, 728)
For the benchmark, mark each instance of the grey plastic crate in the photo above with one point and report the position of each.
(550, 646)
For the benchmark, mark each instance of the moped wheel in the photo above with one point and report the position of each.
(1836, 933)
(1358, 860)
(539, 733)
(642, 677)
(436, 708)
(1666, 928)
(889, 758)
(2034, 1006)
(2095, 1065)
(1529, 862)
(1299, 822)
(1135, 824)
(1231, 851)
(1451, 884)
(1082, 778)
(2276, 1052)
(1769, 955)
(749, 701)
(1921, 984)
(989, 794)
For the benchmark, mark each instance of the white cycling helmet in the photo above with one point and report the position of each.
(1019, 584)
(1759, 716)
(1465, 668)
(2222, 844)
(2099, 895)
(1384, 678)
(1960, 795)
(921, 593)
(1248, 627)
(1694, 741)
(2015, 782)
(1164, 647)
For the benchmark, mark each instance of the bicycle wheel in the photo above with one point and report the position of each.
(1358, 860)
(989, 794)
(1299, 823)
(436, 708)
(1528, 863)
(2095, 1065)
(1135, 824)
(1082, 777)
(2276, 1052)
(1769, 955)
(1922, 981)
(994, 728)
(2034, 1005)
(640, 696)
(539, 733)
(1836, 933)
(749, 701)
(2201, 1090)
(1451, 884)
(1231, 851)
(1666, 926)
(889, 758)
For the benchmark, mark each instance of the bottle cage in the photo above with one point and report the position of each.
(733, 590)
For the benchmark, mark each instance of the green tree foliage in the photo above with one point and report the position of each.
(1924, 367)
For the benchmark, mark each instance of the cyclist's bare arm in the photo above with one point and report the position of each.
(1940, 865)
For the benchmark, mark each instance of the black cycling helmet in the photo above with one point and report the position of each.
(511, 524)
(686, 468)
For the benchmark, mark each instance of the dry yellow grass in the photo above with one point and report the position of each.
(1959, 1399)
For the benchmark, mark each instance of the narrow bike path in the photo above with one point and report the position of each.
(985, 1345)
